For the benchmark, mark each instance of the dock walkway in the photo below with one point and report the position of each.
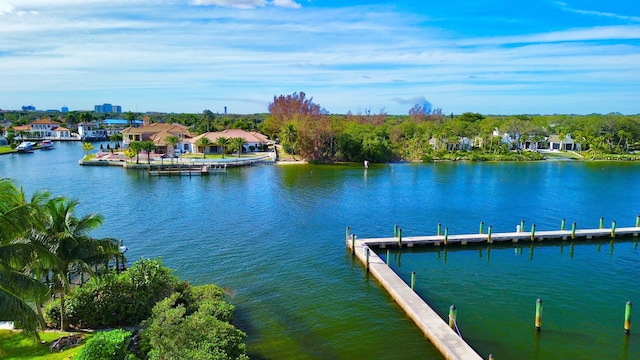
(444, 338)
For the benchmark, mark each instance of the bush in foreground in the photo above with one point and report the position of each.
(106, 345)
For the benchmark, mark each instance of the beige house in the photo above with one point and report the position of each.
(158, 133)
(253, 141)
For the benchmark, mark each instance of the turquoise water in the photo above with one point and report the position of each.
(274, 236)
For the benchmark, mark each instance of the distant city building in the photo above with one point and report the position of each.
(107, 108)
(65, 109)
(28, 108)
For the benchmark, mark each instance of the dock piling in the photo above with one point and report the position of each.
(481, 227)
(613, 228)
(562, 225)
(347, 234)
(538, 322)
(573, 230)
(367, 256)
(522, 225)
(388, 257)
(627, 318)
(601, 222)
(353, 244)
(638, 221)
(439, 229)
(453, 312)
(399, 237)
(446, 235)
(395, 230)
(533, 231)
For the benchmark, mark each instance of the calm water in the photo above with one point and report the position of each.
(274, 235)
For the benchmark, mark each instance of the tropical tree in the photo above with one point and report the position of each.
(289, 136)
(136, 147)
(237, 143)
(86, 146)
(148, 146)
(203, 142)
(130, 118)
(17, 288)
(223, 142)
(68, 238)
(116, 138)
(172, 140)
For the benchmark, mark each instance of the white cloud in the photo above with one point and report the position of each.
(247, 4)
(564, 6)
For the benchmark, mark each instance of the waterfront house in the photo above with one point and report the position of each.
(253, 141)
(44, 129)
(566, 144)
(90, 131)
(158, 133)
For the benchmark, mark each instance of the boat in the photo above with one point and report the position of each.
(46, 145)
(25, 146)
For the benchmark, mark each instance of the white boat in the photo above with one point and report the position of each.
(25, 146)
(46, 145)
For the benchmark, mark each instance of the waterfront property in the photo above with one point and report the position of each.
(334, 309)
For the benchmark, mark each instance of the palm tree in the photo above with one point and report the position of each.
(172, 140)
(148, 146)
(203, 142)
(116, 138)
(223, 142)
(17, 289)
(289, 135)
(67, 238)
(237, 143)
(136, 147)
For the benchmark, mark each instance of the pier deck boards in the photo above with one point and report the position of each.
(445, 339)
(463, 239)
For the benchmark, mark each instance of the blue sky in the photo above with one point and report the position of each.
(491, 57)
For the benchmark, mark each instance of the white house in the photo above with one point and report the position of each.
(92, 132)
(567, 144)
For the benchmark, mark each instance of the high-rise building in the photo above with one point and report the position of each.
(107, 108)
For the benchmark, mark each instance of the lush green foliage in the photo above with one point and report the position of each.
(113, 300)
(193, 325)
(108, 345)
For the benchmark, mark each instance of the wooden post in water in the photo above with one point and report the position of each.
(388, 256)
(367, 256)
(627, 318)
(613, 228)
(347, 234)
(413, 280)
(638, 221)
(522, 225)
(538, 322)
(399, 237)
(481, 227)
(489, 235)
(601, 222)
(439, 228)
(395, 230)
(533, 231)
(562, 225)
(453, 312)
(446, 235)
(353, 244)
(573, 230)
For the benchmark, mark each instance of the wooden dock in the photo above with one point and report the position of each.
(186, 170)
(444, 338)
(464, 239)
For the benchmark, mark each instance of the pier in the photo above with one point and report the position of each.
(440, 333)
(187, 170)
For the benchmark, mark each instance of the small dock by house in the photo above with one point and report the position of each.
(187, 169)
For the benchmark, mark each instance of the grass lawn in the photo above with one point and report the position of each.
(15, 345)
(563, 155)
(5, 149)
